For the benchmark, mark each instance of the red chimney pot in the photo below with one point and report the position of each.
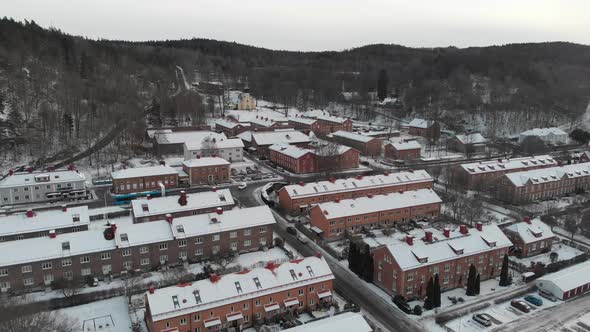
(169, 218)
(527, 219)
(30, 213)
(428, 236)
(152, 289)
(149, 196)
(64, 208)
(301, 183)
(447, 232)
(410, 240)
(479, 226)
(71, 167)
(463, 229)
(30, 169)
(11, 172)
(219, 210)
(52, 234)
(214, 189)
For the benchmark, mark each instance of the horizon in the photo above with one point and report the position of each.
(313, 27)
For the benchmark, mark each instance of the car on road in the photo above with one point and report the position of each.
(301, 238)
(366, 163)
(92, 281)
(482, 319)
(242, 185)
(520, 305)
(234, 171)
(280, 169)
(291, 230)
(534, 300)
(547, 295)
(401, 303)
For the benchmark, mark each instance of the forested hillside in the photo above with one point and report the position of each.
(61, 93)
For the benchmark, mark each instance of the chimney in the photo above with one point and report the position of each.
(479, 226)
(370, 195)
(332, 180)
(447, 232)
(214, 189)
(527, 219)
(114, 228)
(214, 220)
(182, 199)
(214, 277)
(359, 177)
(401, 191)
(318, 254)
(337, 200)
(152, 289)
(30, 169)
(149, 197)
(386, 173)
(410, 239)
(463, 229)
(301, 183)
(71, 167)
(11, 172)
(30, 214)
(428, 236)
(64, 208)
(219, 210)
(169, 218)
(51, 168)
(52, 234)
(199, 156)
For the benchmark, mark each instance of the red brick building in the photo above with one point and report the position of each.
(305, 125)
(527, 186)
(37, 262)
(485, 173)
(530, 237)
(403, 150)
(140, 179)
(425, 128)
(299, 197)
(207, 170)
(302, 161)
(405, 266)
(152, 209)
(19, 226)
(231, 128)
(352, 215)
(260, 142)
(332, 124)
(240, 300)
(367, 145)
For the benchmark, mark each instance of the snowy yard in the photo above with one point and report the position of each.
(428, 155)
(563, 251)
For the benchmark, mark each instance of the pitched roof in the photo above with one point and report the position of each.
(219, 143)
(353, 136)
(230, 124)
(569, 278)
(143, 171)
(475, 138)
(543, 132)
(420, 123)
(331, 118)
(423, 253)
(169, 204)
(205, 294)
(280, 137)
(550, 174)
(356, 183)
(363, 205)
(290, 150)
(508, 164)
(205, 161)
(29, 179)
(535, 231)
(19, 223)
(348, 321)
(409, 145)
(179, 137)
(305, 121)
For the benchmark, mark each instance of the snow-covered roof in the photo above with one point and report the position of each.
(29, 179)
(245, 136)
(229, 124)
(475, 138)
(162, 205)
(348, 321)
(364, 205)
(331, 118)
(219, 143)
(356, 183)
(45, 248)
(569, 278)
(143, 171)
(508, 164)
(212, 223)
(534, 231)
(409, 145)
(420, 123)
(290, 150)
(143, 233)
(205, 161)
(543, 132)
(279, 137)
(179, 137)
(19, 223)
(550, 174)
(152, 132)
(305, 121)
(422, 253)
(315, 113)
(263, 122)
(206, 294)
(353, 136)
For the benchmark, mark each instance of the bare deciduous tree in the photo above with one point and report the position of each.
(21, 317)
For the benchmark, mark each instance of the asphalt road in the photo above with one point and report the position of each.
(346, 283)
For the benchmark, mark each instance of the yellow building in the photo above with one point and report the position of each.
(246, 101)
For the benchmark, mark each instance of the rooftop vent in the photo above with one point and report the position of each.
(463, 229)
(52, 234)
(169, 218)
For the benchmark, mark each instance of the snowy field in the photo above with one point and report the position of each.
(563, 251)
(110, 315)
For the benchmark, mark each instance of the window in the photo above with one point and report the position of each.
(446, 280)
(245, 306)
(48, 278)
(183, 321)
(28, 281)
(66, 262)
(85, 259)
(163, 246)
(238, 287)
(144, 250)
(447, 267)
(262, 229)
(257, 283)
(145, 261)
(163, 258)
(215, 237)
(26, 268)
(262, 241)
(182, 243)
(311, 289)
(127, 265)
(105, 256)
(246, 318)
(410, 277)
(311, 302)
(4, 285)
(198, 251)
(215, 250)
(247, 243)
(247, 232)
(3, 272)
(197, 317)
(126, 252)
(106, 269)
(85, 271)
(197, 296)
(257, 303)
(199, 240)
(301, 292)
(409, 289)
(233, 246)
(68, 275)
(182, 255)
(46, 265)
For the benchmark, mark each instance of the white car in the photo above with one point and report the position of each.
(301, 238)
(242, 185)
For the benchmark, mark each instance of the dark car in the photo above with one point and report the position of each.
(547, 295)
(482, 319)
(366, 163)
(520, 305)
(291, 230)
(401, 303)
(534, 300)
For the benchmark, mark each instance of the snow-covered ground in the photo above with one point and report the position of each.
(428, 154)
(563, 251)
(110, 315)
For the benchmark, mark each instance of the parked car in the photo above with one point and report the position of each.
(234, 171)
(482, 319)
(366, 163)
(291, 230)
(242, 185)
(534, 300)
(401, 303)
(301, 238)
(547, 295)
(280, 169)
(92, 281)
(520, 305)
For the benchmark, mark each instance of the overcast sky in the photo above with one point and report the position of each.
(316, 24)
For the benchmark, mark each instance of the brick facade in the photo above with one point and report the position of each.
(207, 173)
(401, 154)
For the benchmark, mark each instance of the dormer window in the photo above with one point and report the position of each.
(180, 228)
(311, 273)
(124, 237)
(238, 287)
(197, 296)
(257, 283)
(175, 301)
(65, 245)
(145, 207)
(293, 275)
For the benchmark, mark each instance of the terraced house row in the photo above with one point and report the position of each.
(109, 250)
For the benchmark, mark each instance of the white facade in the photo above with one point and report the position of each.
(21, 188)
(230, 149)
(551, 136)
